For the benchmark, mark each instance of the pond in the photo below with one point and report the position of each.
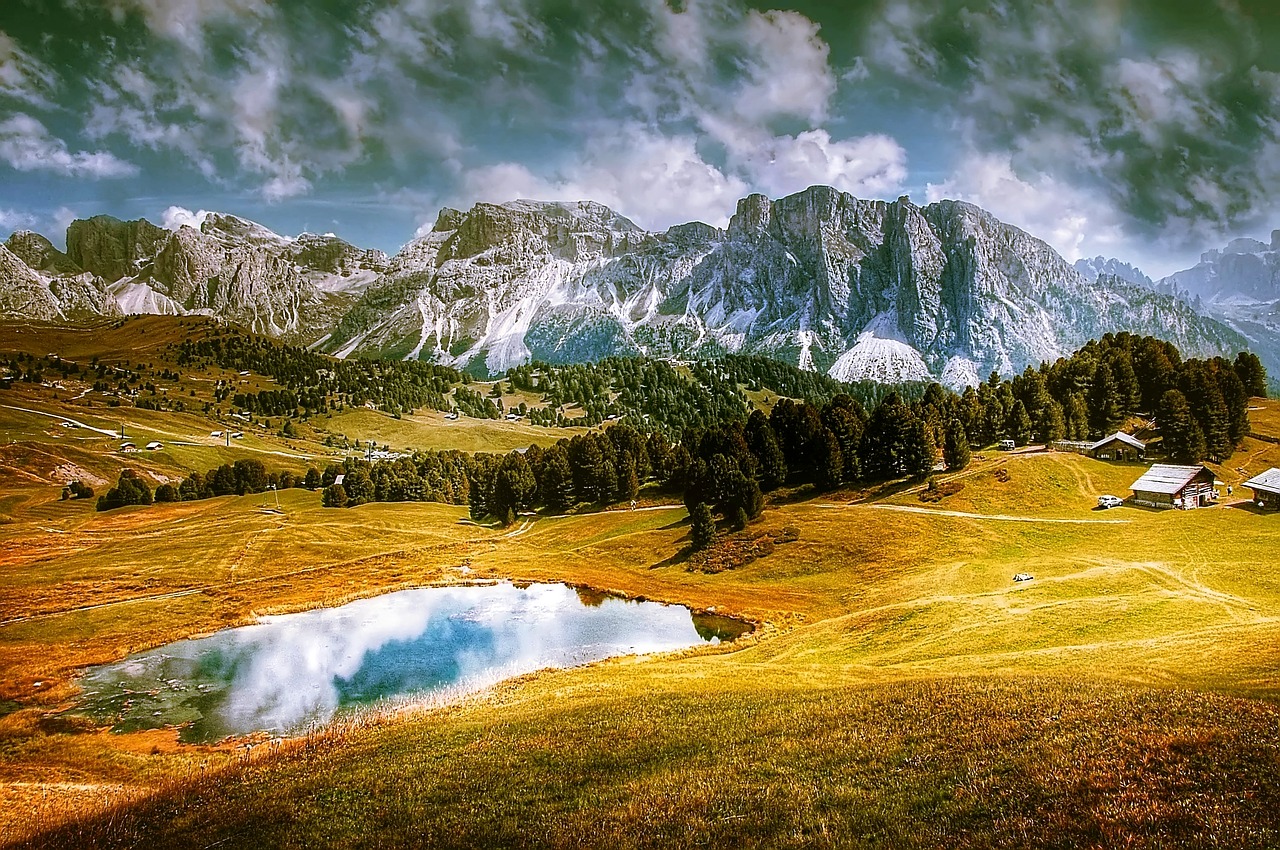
(289, 673)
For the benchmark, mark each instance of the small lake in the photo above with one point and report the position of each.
(289, 673)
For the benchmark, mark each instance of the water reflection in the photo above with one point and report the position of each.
(289, 672)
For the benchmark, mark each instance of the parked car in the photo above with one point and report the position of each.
(1110, 501)
(1007, 445)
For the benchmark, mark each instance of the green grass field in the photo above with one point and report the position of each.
(900, 689)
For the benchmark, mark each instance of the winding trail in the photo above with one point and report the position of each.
(997, 517)
(59, 416)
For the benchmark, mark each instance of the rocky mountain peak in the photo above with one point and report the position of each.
(231, 228)
(39, 253)
(111, 248)
(752, 216)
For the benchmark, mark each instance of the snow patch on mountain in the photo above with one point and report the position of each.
(880, 354)
(134, 297)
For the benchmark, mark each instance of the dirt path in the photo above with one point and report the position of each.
(176, 594)
(59, 416)
(997, 517)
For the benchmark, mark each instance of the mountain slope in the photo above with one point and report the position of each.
(232, 268)
(1239, 285)
(859, 289)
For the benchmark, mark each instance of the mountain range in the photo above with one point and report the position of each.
(859, 289)
(1238, 285)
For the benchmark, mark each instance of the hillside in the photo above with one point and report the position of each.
(1135, 671)
(860, 290)
(1132, 666)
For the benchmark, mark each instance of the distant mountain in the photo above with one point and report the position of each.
(1239, 285)
(1099, 266)
(1245, 272)
(857, 289)
(235, 269)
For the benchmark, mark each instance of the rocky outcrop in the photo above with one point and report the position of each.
(31, 294)
(111, 248)
(861, 289)
(1239, 285)
(40, 254)
(230, 267)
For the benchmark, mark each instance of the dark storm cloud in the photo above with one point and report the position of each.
(1168, 108)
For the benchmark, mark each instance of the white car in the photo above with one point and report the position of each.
(1109, 502)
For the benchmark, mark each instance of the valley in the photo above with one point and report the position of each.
(1126, 693)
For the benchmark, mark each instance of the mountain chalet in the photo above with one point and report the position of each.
(1168, 486)
(1266, 489)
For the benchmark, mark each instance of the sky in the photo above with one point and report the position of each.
(1148, 130)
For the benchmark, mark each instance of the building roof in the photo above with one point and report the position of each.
(1122, 437)
(1166, 478)
(1269, 481)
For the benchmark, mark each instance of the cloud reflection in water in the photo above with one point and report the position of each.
(289, 672)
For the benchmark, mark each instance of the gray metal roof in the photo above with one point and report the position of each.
(1122, 437)
(1165, 478)
(1269, 481)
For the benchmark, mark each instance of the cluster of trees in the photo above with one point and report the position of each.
(658, 395)
(245, 476)
(426, 476)
(1091, 393)
(320, 382)
(77, 490)
(129, 490)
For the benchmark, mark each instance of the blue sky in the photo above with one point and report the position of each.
(1143, 130)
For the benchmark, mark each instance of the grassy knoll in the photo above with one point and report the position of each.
(430, 428)
(902, 690)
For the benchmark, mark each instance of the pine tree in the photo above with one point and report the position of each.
(1077, 418)
(334, 496)
(556, 484)
(1104, 402)
(919, 452)
(1018, 425)
(702, 526)
(1252, 374)
(628, 482)
(1181, 435)
(828, 461)
(763, 443)
(955, 449)
(1050, 424)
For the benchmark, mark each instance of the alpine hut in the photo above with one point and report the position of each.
(1119, 446)
(1168, 486)
(1266, 489)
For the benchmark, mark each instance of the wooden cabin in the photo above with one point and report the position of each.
(1119, 446)
(1266, 489)
(1168, 486)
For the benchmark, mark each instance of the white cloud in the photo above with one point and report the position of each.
(16, 220)
(22, 76)
(865, 166)
(184, 20)
(62, 218)
(786, 68)
(27, 145)
(175, 218)
(1075, 222)
(655, 180)
(1170, 92)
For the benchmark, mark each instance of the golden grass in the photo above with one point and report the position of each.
(901, 691)
(428, 429)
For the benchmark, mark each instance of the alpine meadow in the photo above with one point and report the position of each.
(643, 424)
